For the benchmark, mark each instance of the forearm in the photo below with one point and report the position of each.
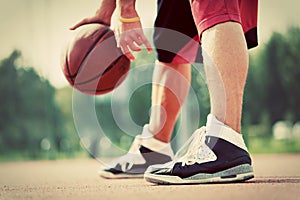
(127, 8)
(102, 16)
(106, 10)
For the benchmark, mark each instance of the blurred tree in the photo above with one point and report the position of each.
(8, 98)
(273, 80)
(276, 99)
(70, 140)
(28, 109)
(290, 72)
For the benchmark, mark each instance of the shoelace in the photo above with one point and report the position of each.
(137, 142)
(129, 159)
(193, 144)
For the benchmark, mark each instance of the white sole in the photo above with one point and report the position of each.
(109, 175)
(234, 174)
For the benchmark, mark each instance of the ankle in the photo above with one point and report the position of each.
(236, 126)
(163, 134)
(150, 142)
(233, 123)
(216, 128)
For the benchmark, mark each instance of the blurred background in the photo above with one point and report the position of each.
(36, 118)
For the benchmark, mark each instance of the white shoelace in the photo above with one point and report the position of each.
(132, 157)
(137, 142)
(188, 154)
(191, 147)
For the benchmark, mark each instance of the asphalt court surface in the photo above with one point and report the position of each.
(276, 177)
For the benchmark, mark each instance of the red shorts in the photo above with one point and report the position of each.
(177, 28)
(208, 13)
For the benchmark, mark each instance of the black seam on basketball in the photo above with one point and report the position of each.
(90, 49)
(100, 74)
(69, 75)
(68, 69)
(102, 90)
(112, 64)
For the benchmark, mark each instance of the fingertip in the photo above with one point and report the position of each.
(149, 48)
(73, 28)
(130, 56)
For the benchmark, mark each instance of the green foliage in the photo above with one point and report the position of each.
(29, 112)
(270, 145)
(70, 140)
(199, 85)
(139, 105)
(273, 80)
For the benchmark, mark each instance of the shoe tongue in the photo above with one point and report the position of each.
(149, 141)
(218, 129)
(146, 133)
(135, 145)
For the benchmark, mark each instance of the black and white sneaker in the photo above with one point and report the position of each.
(139, 158)
(213, 156)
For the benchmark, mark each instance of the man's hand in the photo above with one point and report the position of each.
(132, 38)
(131, 35)
(102, 16)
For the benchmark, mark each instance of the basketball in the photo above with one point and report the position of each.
(91, 61)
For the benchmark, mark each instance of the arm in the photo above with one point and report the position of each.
(103, 14)
(131, 33)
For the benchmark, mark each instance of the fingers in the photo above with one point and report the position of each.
(127, 46)
(89, 21)
(147, 44)
(142, 40)
(82, 22)
(127, 52)
(132, 41)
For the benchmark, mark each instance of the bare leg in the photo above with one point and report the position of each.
(226, 65)
(170, 87)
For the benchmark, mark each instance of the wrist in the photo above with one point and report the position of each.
(129, 20)
(106, 10)
(127, 8)
(104, 16)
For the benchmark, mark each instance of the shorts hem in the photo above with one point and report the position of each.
(210, 22)
(175, 61)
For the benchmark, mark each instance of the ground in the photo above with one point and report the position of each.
(276, 177)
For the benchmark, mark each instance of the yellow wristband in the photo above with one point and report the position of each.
(128, 20)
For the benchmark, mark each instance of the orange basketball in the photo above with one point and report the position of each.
(92, 62)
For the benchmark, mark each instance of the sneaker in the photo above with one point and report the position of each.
(213, 156)
(144, 151)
